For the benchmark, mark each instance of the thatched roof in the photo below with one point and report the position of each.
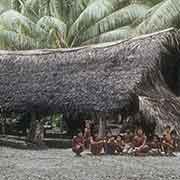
(102, 78)
(164, 111)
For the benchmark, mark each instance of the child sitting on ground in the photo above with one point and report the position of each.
(155, 146)
(96, 144)
(139, 143)
(167, 141)
(106, 139)
(175, 139)
(128, 138)
(119, 144)
(78, 143)
(111, 145)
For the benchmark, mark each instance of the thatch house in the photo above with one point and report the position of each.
(139, 74)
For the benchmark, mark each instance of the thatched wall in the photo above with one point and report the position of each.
(100, 79)
(164, 111)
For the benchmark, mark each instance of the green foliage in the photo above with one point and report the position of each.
(17, 31)
(167, 15)
(56, 120)
(14, 21)
(68, 23)
(147, 2)
(119, 18)
(1, 9)
(14, 41)
(77, 7)
(92, 14)
(114, 35)
(16, 4)
(35, 9)
(55, 30)
(4, 5)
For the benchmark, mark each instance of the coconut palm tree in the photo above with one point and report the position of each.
(68, 23)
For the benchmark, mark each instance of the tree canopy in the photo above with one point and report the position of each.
(31, 24)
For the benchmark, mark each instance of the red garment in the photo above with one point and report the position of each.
(96, 145)
(77, 144)
(139, 140)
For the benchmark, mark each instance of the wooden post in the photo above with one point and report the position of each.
(61, 123)
(119, 118)
(3, 125)
(102, 125)
(3, 122)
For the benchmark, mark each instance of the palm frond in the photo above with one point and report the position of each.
(16, 41)
(167, 15)
(93, 13)
(55, 31)
(114, 35)
(60, 9)
(35, 9)
(6, 4)
(122, 17)
(14, 21)
(16, 5)
(1, 9)
(48, 23)
(148, 14)
(77, 7)
(147, 2)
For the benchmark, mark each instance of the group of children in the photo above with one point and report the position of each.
(135, 143)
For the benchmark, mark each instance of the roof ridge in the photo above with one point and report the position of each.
(97, 46)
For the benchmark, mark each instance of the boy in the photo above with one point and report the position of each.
(155, 145)
(167, 141)
(111, 145)
(128, 138)
(78, 143)
(139, 143)
(119, 144)
(106, 139)
(96, 144)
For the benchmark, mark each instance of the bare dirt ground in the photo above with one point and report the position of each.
(59, 164)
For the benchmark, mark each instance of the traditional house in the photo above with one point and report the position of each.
(127, 77)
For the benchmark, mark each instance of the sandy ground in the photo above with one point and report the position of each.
(59, 164)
